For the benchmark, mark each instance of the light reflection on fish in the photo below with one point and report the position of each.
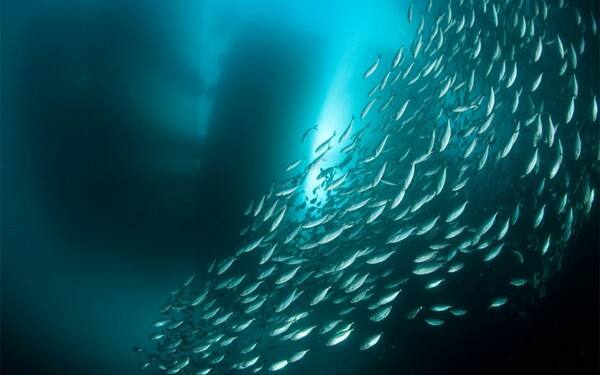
(498, 85)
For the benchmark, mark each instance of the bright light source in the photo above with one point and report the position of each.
(334, 117)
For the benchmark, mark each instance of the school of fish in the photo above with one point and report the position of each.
(476, 149)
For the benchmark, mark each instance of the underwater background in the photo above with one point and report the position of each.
(135, 134)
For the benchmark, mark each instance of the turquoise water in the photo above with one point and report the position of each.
(135, 137)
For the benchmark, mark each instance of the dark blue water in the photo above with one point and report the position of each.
(133, 136)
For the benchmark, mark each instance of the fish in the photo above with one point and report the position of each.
(493, 253)
(225, 264)
(367, 107)
(454, 214)
(373, 67)
(398, 58)
(456, 267)
(259, 206)
(401, 235)
(426, 257)
(277, 220)
(434, 284)
(402, 110)
(298, 356)
(414, 312)
(536, 83)
(537, 54)
(320, 296)
(286, 302)
(291, 166)
(498, 302)
(532, 163)
(278, 365)
(307, 132)
(570, 110)
(518, 282)
(376, 259)
(440, 308)
(287, 276)
(251, 246)
(325, 143)
(346, 131)
(410, 12)
(491, 103)
(446, 137)
(371, 341)
(426, 268)
(512, 77)
(388, 298)
(339, 337)
(539, 216)
(328, 237)
(488, 108)
(381, 314)
(303, 333)
(434, 322)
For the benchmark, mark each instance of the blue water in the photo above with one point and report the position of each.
(134, 134)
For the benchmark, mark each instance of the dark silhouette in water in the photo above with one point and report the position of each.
(97, 144)
(266, 78)
(108, 161)
(103, 160)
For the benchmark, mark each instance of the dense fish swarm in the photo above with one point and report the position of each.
(484, 108)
